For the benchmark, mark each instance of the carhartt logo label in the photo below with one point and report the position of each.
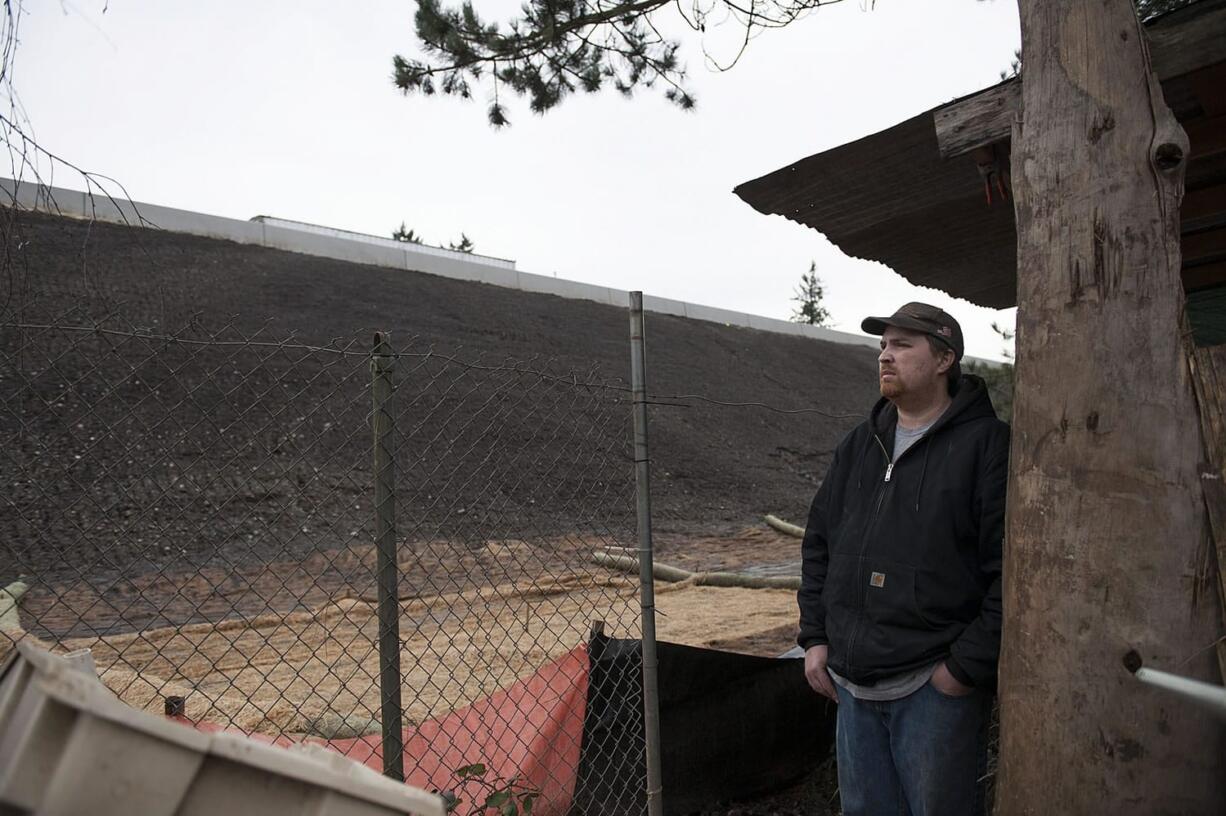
(877, 579)
(945, 331)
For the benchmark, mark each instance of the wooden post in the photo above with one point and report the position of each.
(1208, 367)
(1106, 519)
(382, 392)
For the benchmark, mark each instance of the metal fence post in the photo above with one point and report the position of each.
(642, 479)
(381, 389)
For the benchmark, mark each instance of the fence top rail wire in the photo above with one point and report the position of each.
(666, 400)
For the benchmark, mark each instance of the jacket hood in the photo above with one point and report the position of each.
(971, 401)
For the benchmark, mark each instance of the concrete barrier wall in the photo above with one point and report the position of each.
(411, 249)
(327, 243)
(327, 247)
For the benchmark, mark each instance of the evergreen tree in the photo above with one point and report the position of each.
(809, 294)
(557, 47)
(406, 236)
(1006, 336)
(997, 376)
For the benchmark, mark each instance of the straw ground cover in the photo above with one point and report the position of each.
(315, 671)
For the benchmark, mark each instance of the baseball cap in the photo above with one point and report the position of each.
(921, 317)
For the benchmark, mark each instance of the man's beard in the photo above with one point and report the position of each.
(890, 389)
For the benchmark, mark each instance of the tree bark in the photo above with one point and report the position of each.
(1106, 531)
(1209, 384)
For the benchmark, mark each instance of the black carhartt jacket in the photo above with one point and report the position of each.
(902, 562)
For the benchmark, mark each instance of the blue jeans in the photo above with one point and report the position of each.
(922, 755)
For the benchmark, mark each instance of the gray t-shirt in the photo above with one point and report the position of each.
(894, 687)
(905, 438)
(899, 685)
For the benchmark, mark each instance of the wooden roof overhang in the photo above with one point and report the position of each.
(924, 197)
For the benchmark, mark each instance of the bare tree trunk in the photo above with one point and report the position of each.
(1106, 526)
(1209, 380)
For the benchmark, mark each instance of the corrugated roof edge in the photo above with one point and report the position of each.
(455, 265)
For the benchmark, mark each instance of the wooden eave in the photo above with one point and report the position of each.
(913, 196)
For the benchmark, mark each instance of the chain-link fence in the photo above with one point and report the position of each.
(221, 518)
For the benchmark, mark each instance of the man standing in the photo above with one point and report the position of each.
(900, 597)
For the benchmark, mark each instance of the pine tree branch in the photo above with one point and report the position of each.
(534, 45)
(559, 46)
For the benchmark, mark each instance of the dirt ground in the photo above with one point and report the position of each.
(265, 670)
(201, 516)
(125, 457)
(312, 672)
(281, 673)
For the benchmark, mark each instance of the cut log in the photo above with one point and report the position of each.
(664, 572)
(785, 527)
(10, 598)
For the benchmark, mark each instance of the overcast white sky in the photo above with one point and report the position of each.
(287, 108)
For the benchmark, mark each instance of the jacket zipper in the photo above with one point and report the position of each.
(889, 467)
(889, 471)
